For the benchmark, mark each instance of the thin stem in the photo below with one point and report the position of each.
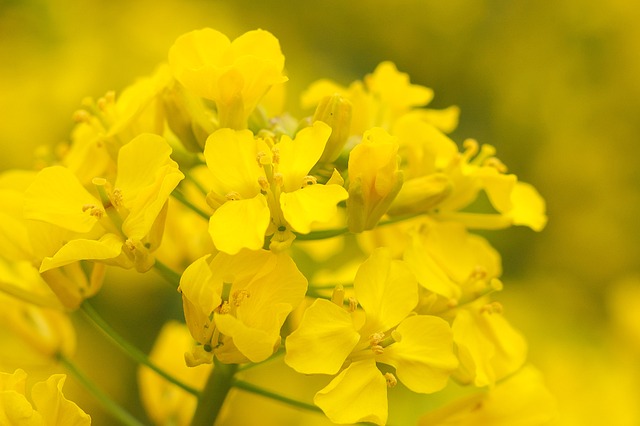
(171, 276)
(195, 182)
(130, 350)
(330, 233)
(112, 407)
(248, 387)
(214, 394)
(180, 197)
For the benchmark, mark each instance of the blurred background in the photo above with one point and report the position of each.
(553, 85)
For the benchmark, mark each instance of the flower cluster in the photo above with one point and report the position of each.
(343, 240)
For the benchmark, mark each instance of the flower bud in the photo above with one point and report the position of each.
(374, 179)
(334, 110)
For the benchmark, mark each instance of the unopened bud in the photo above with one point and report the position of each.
(335, 111)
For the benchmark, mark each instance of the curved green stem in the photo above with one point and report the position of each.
(240, 384)
(180, 197)
(130, 350)
(330, 233)
(112, 407)
(214, 394)
(171, 276)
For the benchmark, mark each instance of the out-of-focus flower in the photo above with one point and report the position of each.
(49, 408)
(166, 403)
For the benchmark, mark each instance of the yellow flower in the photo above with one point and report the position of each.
(261, 187)
(451, 262)
(331, 338)
(166, 403)
(236, 75)
(521, 400)
(235, 305)
(489, 348)
(437, 176)
(374, 179)
(50, 407)
(381, 99)
(120, 223)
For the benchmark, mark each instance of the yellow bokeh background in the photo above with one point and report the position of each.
(553, 85)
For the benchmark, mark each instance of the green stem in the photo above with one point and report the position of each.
(195, 182)
(268, 394)
(171, 276)
(112, 407)
(180, 197)
(126, 347)
(214, 393)
(330, 233)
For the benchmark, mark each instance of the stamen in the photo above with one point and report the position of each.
(260, 156)
(391, 380)
(81, 116)
(116, 196)
(233, 196)
(93, 210)
(224, 308)
(471, 148)
(278, 179)
(492, 308)
(276, 154)
(338, 295)
(238, 297)
(353, 304)
(376, 338)
(377, 349)
(496, 164)
(308, 180)
(264, 183)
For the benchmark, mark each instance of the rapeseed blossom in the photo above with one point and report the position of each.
(258, 209)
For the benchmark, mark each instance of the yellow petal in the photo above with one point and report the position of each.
(358, 394)
(310, 205)
(528, 207)
(386, 289)
(107, 247)
(298, 156)
(423, 353)
(54, 407)
(240, 224)
(323, 340)
(256, 344)
(231, 156)
(145, 186)
(56, 197)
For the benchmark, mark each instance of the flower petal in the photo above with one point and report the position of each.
(423, 353)
(323, 340)
(358, 394)
(311, 204)
(231, 156)
(298, 156)
(57, 197)
(54, 407)
(107, 247)
(240, 224)
(386, 289)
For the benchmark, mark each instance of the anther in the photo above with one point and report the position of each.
(492, 308)
(224, 308)
(496, 164)
(117, 197)
(308, 180)
(238, 297)
(377, 349)
(391, 380)
(263, 182)
(81, 116)
(260, 156)
(276, 155)
(376, 338)
(471, 148)
(338, 295)
(278, 179)
(353, 304)
(232, 196)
